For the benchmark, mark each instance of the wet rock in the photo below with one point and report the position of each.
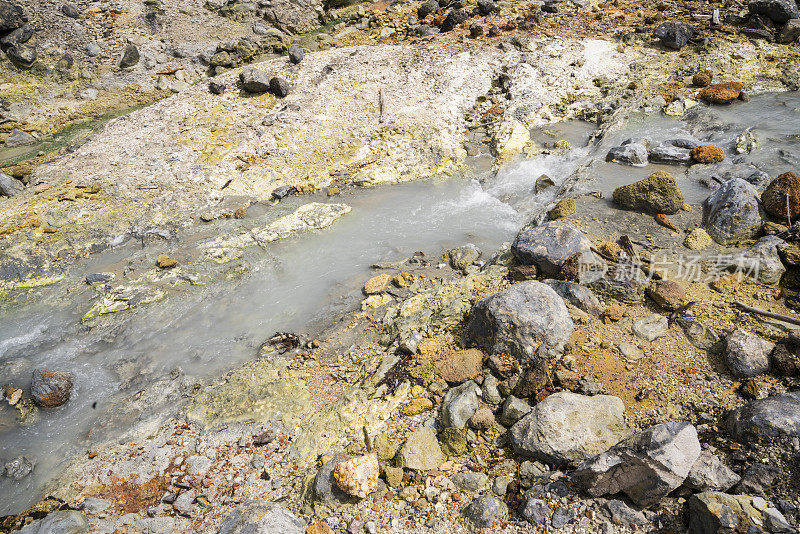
(563, 208)
(667, 294)
(535, 510)
(325, 488)
(712, 511)
(774, 416)
(50, 388)
(485, 510)
(733, 213)
(453, 19)
(567, 427)
(698, 239)
(10, 186)
(19, 138)
(255, 81)
(670, 155)
(707, 154)
(774, 198)
(18, 468)
(525, 320)
(674, 35)
(514, 409)
(279, 87)
(462, 258)
(747, 354)
(780, 11)
(631, 154)
(421, 451)
(71, 11)
(63, 522)
(258, 517)
(550, 245)
(709, 474)
(130, 56)
(459, 365)
(358, 476)
(296, 54)
(658, 193)
(624, 515)
(459, 404)
(721, 93)
(471, 481)
(646, 466)
(703, 78)
(624, 282)
(651, 327)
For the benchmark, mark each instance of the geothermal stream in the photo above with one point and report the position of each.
(307, 281)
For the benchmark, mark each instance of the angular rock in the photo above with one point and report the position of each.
(489, 392)
(709, 474)
(325, 488)
(525, 320)
(51, 388)
(296, 54)
(670, 155)
(631, 154)
(667, 294)
(62, 522)
(624, 282)
(463, 257)
(747, 354)
(761, 261)
(259, 517)
(624, 515)
(130, 56)
(216, 88)
(790, 32)
(421, 451)
(19, 138)
(19, 36)
(567, 427)
(18, 468)
(771, 417)
(712, 512)
(358, 476)
(485, 510)
(758, 479)
(279, 87)
(254, 81)
(11, 16)
(674, 35)
(550, 245)
(646, 466)
(459, 404)
(651, 327)
(733, 213)
(535, 511)
(426, 8)
(514, 409)
(22, 55)
(780, 11)
(658, 193)
(10, 186)
(579, 296)
(774, 198)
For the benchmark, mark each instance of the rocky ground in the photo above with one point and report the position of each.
(581, 379)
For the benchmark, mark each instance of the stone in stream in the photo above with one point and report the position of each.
(780, 11)
(646, 466)
(62, 522)
(771, 417)
(674, 35)
(716, 512)
(18, 468)
(19, 138)
(670, 155)
(782, 197)
(550, 245)
(254, 81)
(733, 213)
(358, 476)
(563, 208)
(709, 474)
(527, 320)
(667, 294)
(630, 153)
(761, 261)
(50, 388)
(453, 19)
(747, 354)
(10, 186)
(721, 93)
(651, 327)
(130, 56)
(261, 517)
(579, 296)
(658, 193)
(459, 404)
(421, 451)
(567, 427)
(485, 510)
(296, 54)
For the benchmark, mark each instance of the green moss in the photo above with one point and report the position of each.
(422, 371)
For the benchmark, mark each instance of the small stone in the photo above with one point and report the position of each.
(710, 474)
(485, 510)
(216, 87)
(707, 154)
(453, 441)
(564, 208)
(514, 409)
(279, 87)
(667, 294)
(70, 10)
(377, 284)
(421, 451)
(453, 19)
(296, 54)
(698, 239)
(651, 327)
(130, 56)
(18, 468)
(459, 404)
(254, 81)
(394, 476)
(319, 528)
(459, 366)
(471, 482)
(703, 78)
(747, 354)
(721, 93)
(482, 419)
(51, 388)
(417, 406)
(358, 476)
(165, 262)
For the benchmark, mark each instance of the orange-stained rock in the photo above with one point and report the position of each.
(358, 476)
(721, 93)
(774, 196)
(707, 154)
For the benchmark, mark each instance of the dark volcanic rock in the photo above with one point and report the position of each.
(296, 54)
(50, 388)
(774, 198)
(254, 81)
(427, 8)
(674, 35)
(11, 17)
(130, 56)
(774, 416)
(70, 10)
(216, 88)
(22, 55)
(780, 11)
(453, 19)
(17, 37)
(279, 87)
(550, 245)
(631, 154)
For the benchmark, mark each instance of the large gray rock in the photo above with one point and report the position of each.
(257, 517)
(484, 511)
(780, 11)
(646, 466)
(733, 213)
(579, 296)
(567, 427)
(63, 522)
(10, 186)
(549, 245)
(747, 354)
(761, 261)
(670, 155)
(254, 81)
(421, 451)
(460, 403)
(771, 417)
(709, 474)
(629, 153)
(528, 319)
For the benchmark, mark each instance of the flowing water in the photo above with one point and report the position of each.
(308, 280)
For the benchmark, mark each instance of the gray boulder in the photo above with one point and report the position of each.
(257, 517)
(10, 186)
(674, 35)
(459, 404)
(567, 427)
(296, 54)
(622, 514)
(747, 354)
(18, 468)
(63, 522)
(549, 245)
(670, 155)
(631, 154)
(646, 466)
(651, 327)
(733, 213)
(421, 451)
(130, 56)
(579, 296)
(484, 511)
(780, 11)
(528, 319)
(254, 81)
(709, 474)
(771, 417)
(761, 261)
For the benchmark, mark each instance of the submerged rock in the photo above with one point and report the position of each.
(733, 213)
(658, 193)
(527, 320)
(567, 427)
(550, 245)
(630, 153)
(747, 354)
(18, 468)
(51, 388)
(774, 416)
(257, 517)
(646, 466)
